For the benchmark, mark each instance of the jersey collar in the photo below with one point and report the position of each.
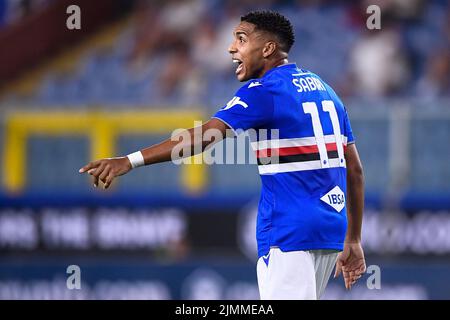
(283, 66)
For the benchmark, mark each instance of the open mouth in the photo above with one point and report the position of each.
(239, 65)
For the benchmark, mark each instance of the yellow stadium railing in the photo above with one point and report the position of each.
(102, 128)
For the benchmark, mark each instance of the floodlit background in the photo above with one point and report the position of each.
(139, 69)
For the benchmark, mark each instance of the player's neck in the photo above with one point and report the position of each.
(273, 64)
(280, 62)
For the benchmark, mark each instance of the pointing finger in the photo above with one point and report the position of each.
(90, 165)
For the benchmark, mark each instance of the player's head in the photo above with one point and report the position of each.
(261, 40)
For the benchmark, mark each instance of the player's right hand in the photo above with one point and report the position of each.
(106, 170)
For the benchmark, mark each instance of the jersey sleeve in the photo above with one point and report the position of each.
(251, 108)
(348, 129)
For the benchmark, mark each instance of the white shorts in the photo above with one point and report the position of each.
(294, 275)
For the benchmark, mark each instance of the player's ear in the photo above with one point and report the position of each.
(269, 49)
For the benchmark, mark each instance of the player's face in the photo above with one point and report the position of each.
(247, 51)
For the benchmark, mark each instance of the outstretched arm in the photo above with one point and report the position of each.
(351, 261)
(106, 170)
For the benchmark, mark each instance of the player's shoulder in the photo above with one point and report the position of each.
(271, 79)
(255, 92)
(329, 89)
(255, 85)
(255, 88)
(334, 96)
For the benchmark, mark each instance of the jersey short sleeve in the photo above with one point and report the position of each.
(347, 128)
(251, 107)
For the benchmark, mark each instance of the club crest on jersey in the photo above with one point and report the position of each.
(335, 198)
(235, 101)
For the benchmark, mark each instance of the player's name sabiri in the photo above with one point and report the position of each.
(307, 84)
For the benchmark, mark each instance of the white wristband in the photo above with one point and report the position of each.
(136, 159)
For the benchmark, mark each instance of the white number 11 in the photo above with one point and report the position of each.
(327, 106)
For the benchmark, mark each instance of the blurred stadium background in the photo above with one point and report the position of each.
(139, 69)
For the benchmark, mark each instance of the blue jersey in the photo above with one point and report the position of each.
(302, 167)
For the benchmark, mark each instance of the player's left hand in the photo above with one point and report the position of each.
(351, 263)
(106, 170)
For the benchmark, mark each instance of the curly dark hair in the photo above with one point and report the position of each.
(274, 23)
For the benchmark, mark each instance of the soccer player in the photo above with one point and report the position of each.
(311, 204)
